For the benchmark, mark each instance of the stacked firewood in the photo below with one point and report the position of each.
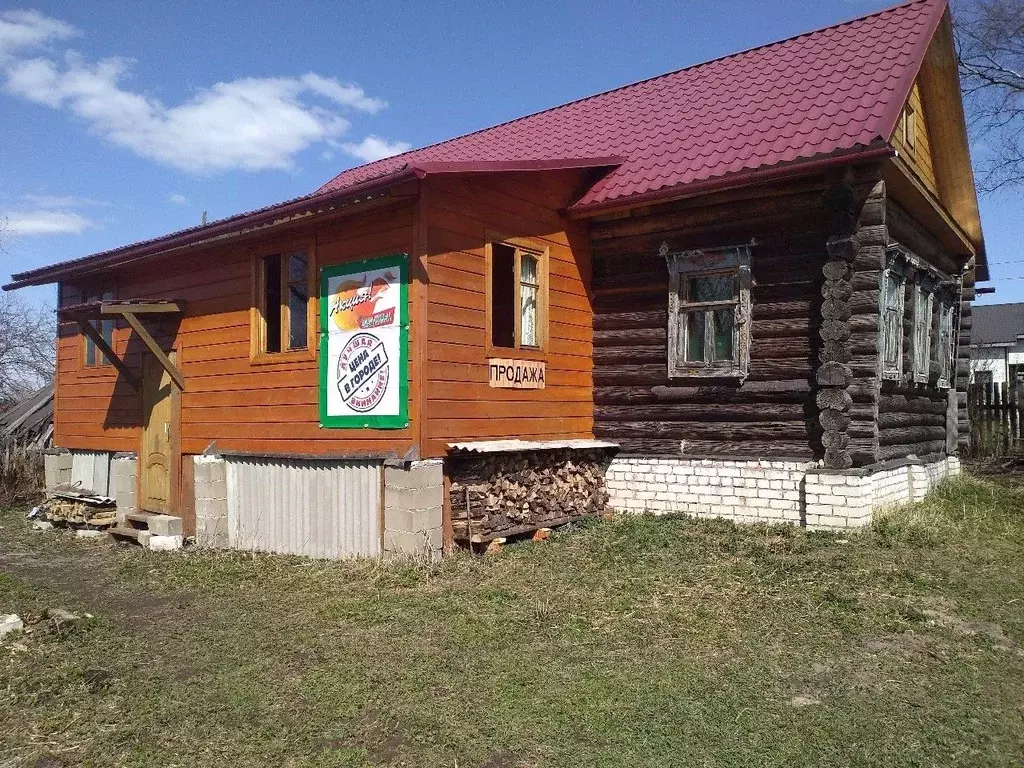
(73, 508)
(500, 494)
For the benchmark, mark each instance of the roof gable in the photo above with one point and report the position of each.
(835, 90)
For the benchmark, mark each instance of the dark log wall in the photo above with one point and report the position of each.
(772, 413)
(814, 388)
(917, 418)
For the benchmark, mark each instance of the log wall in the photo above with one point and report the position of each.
(919, 418)
(772, 413)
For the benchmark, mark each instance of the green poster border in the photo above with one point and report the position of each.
(399, 261)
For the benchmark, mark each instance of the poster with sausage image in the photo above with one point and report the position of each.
(364, 340)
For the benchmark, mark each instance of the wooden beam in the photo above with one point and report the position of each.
(148, 308)
(101, 344)
(158, 353)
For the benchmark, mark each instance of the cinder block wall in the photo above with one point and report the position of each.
(413, 508)
(124, 483)
(211, 489)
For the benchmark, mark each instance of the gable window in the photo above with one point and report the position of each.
(922, 340)
(516, 296)
(894, 283)
(909, 126)
(93, 355)
(946, 340)
(708, 311)
(283, 295)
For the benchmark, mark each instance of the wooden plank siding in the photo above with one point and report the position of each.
(920, 156)
(772, 413)
(462, 213)
(241, 404)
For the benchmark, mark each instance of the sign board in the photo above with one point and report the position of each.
(515, 374)
(364, 344)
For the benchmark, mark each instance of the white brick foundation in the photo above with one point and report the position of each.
(747, 491)
(768, 491)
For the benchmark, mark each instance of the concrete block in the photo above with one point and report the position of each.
(164, 525)
(414, 544)
(412, 520)
(413, 498)
(212, 533)
(158, 543)
(57, 469)
(421, 474)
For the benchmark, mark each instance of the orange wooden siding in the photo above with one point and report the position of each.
(460, 212)
(242, 405)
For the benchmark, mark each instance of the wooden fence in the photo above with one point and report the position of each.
(996, 412)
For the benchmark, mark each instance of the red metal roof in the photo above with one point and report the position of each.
(820, 95)
(830, 91)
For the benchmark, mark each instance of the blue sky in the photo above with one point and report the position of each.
(123, 121)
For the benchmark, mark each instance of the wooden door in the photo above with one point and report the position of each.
(158, 457)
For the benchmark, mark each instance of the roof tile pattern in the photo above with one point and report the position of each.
(835, 89)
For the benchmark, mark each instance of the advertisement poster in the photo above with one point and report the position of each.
(364, 342)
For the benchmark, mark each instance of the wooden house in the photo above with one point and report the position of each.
(740, 289)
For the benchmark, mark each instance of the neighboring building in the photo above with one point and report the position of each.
(997, 343)
(749, 275)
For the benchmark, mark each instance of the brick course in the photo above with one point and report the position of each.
(766, 490)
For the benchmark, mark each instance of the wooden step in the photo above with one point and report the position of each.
(127, 532)
(154, 522)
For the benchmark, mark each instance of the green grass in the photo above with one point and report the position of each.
(630, 642)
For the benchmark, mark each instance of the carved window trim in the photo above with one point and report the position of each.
(921, 338)
(946, 336)
(891, 308)
(683, 265)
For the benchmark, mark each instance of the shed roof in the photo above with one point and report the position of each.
(997, 324)
(822, 95)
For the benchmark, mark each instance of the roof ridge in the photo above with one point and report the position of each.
(652, 78)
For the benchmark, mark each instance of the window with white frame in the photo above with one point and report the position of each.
(709, 311)
(894, 284)
(924, 296)
(946, 344)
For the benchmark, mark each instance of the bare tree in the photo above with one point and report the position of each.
(27, 344)
(27, 347)
(990, 48)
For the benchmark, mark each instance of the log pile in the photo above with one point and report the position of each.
(73, 508)
(505, 494)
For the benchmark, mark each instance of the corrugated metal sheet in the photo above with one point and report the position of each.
(90, 471)
(325, 509)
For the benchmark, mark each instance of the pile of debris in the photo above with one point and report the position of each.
(495, 495)
(77, 508)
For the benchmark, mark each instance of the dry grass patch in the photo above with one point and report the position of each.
(630, 642)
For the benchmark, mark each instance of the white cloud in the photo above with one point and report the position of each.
(30, 29)
(44, 222)
(178, 199)
(63, 201)
(375, 148)
(251, 124)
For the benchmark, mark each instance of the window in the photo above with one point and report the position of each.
(93, 355)
(894, 282)
(283, 295)
(909, 126)
(946, 340)
(922, 339)
(517, 298)
(708, 311)
(983, 377)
